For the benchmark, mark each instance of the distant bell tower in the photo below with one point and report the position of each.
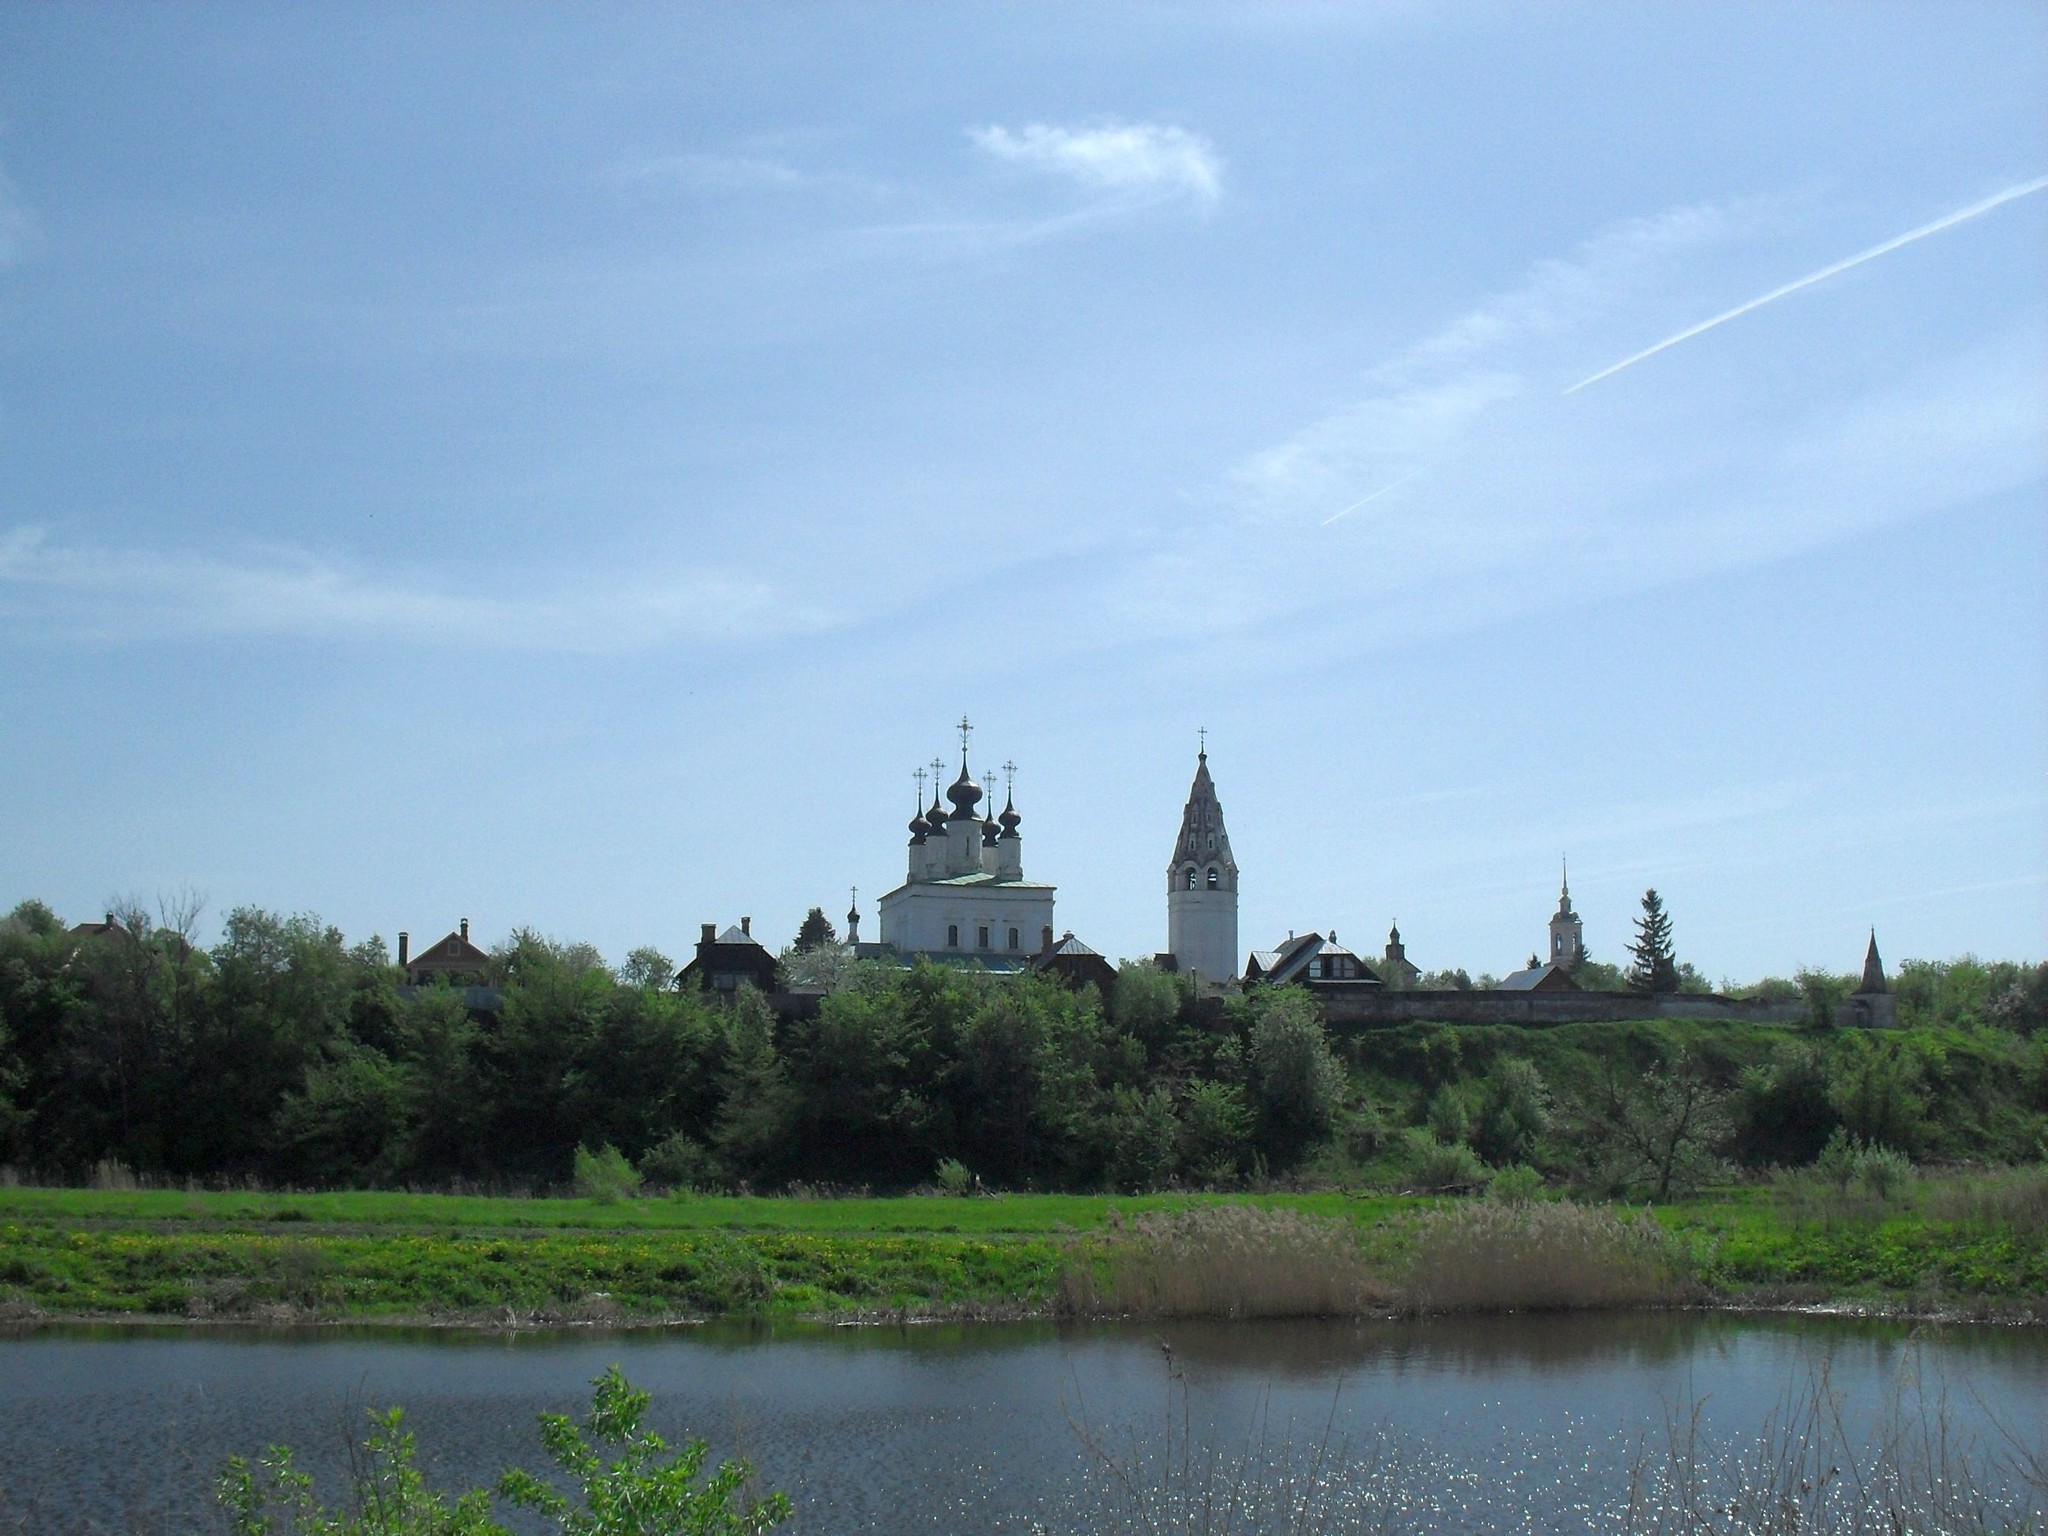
(1201, 884)
(1567, 934)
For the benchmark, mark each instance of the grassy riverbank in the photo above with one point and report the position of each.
(1952, 1245)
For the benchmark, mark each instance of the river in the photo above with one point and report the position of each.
(1494, 1424)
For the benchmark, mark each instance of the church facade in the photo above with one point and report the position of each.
(964, 894)
(1201, 885)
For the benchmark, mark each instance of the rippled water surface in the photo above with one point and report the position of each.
(1479, 1425)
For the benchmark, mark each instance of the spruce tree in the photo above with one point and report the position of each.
(1654, 969)
(816, 931)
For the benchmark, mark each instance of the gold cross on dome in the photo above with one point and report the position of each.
(965, 730)
(1203, 733)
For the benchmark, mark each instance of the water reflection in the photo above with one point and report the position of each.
(1527, 1421)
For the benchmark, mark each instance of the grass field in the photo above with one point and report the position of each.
(367, 1256)
(1002, 1214)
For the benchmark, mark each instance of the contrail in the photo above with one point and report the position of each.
(1946, 221)
(1375, 496)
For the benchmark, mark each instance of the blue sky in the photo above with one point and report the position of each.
(568, 466)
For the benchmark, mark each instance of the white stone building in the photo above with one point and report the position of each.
(1201, 886)
(964, 894)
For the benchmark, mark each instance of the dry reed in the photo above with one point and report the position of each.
(1232, 1261)
(2006, 1197)
(1490, 1257)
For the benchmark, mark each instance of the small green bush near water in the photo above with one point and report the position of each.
(605, 1175)
(1517, 1185)
(644, 1491)
(1871, 1166)
(1442, 1166)
(954, 1176)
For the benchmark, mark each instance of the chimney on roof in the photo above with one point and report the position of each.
(465, 930)
(404, 946)
(1045, 939)
(747, 926)
(110, 919)
(710, 934)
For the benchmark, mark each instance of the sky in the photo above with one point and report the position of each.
(567, 467)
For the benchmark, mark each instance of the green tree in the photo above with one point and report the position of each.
(1658, 1128)
(647, 967)
(1513, 1112)
(1146, 1004)
(1296, 1083)
(1781, 1110)
(1653, 969)
(751, 1132)
(816, 929)
(1138, 1132)
(350, 1121)
(36, 919)
(1876, 1089)
(1214, 1140)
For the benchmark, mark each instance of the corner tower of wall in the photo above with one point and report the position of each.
(1201, 886)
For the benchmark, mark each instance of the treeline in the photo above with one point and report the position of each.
(285, 1054)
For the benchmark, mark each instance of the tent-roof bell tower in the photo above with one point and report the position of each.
(1201, 883)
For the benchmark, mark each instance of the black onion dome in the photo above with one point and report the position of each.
(935, 818)
(1010, 818)
(965, 795)
(917, 824)
(989, 831)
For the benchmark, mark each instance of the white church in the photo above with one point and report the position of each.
(964, 895)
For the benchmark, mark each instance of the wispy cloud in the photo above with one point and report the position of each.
(1885, 248)
(739, 173)
(1150, 161)
(711, 173)
(1430, 396)
(111, 595)
(1461, 487)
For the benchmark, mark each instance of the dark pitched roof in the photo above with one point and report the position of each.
(1286, 962)
(455, 952)
(1548, 977)
(1873, 971)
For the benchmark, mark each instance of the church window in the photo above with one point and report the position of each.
(1212, 842)
(1213, 879)
(1191, 878)
(1013, 938)
(984, 937)
(952, 935)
